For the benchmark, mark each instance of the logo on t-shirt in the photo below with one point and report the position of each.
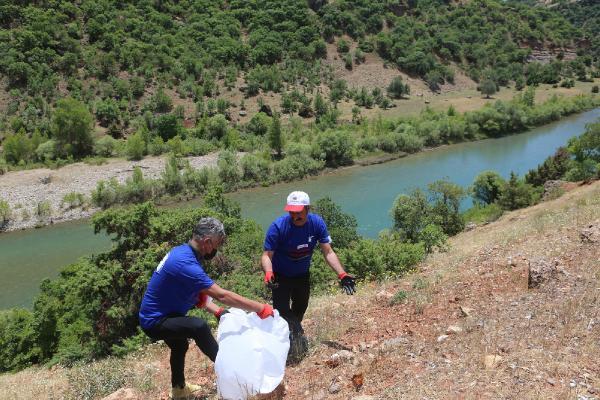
(162, 263)
(310, 239)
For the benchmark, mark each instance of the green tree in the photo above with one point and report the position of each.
(411, 215)
(17, 147)
(341, 226)
(229, 170)
(276, 137)
(516, 194)
(488, 87)
(5, 213)
(320, 106)
(445, 198)
(171, 177)
(72, 126)
(336, 148)
(135, 147)
(486, 187)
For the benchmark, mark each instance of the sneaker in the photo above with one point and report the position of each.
(185, 392)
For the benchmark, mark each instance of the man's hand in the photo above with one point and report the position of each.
(270, 279)
(347, 283)
(267, 311)
(220, 312)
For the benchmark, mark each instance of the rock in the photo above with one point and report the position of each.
(453, 330)
(393, 343)
(470, 226)
(243, 113)
(591, 233)
(551, 381)
(266, 109)
(334, 387)
(442, 338)
(491, 361)
(122, 394)
(466, 311)
(46, 179)
(551, 187)
(540, 271)
(384, 296)
(345, 355)
(363, 397)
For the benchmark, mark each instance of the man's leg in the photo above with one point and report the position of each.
(178, 349)
(176, 331)
(282, 293)
(300, 295)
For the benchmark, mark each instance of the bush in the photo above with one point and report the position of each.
(397, 89)
(481, 214)
(336, 148)
(73, 200)
(46, 151)
(5, 213)
(342, 227)
(17, 340)
(254, 168)
(136, 147)
(595, 89)
(197, 147)
(171, 177)
(517, 194)
(216, 127)
(105, 146)
(259, 124)
(295, 167)
(229, 171)
(105, 194)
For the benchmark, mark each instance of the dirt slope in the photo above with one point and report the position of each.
(502, 339)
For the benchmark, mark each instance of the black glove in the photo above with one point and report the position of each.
(347, 283)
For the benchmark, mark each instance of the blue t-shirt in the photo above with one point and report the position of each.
(174, 286)
(293, 245)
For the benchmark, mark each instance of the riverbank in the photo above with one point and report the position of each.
(36, 196)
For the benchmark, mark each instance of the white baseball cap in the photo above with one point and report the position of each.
(296, 201)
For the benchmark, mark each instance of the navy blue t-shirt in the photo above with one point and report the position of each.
(174, 286)
(293, 245)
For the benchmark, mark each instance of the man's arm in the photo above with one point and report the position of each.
(266, 261)
(232, 299)
(332, 258)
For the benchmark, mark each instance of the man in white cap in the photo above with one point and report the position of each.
(288, 249)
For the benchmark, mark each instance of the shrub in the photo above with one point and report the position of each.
(105, 146)
(486, 187)
(216, 127)
(197, 147)
(397, 89)
(342, 227)
(5, 213)
(259, 124)
(136, 147)
(171, 177)
(17, 340)
(254, 168)
(73, 200)
(229, 171)
(295, 167)
(595, 89)
(105, 194)
(336, 148)
(480, 214)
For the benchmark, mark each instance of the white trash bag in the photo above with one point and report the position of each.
(252, 354)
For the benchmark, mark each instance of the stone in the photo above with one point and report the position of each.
(466, 311)
(470, 226)
(334, 387)
(442, 338)
(453, 330)
(384, 296)
(393, 343)
(363, 397)
(122, 394)
(591, 233)
(540, 270)
(243, 113)
(491, 361)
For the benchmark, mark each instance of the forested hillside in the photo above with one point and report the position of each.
(164, 65)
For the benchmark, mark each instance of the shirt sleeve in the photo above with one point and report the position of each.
(271, 238)
(193, 275)
(322, 233)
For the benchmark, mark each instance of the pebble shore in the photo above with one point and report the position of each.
(24, 190)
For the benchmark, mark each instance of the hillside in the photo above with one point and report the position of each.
(466, 324)
(219, 57)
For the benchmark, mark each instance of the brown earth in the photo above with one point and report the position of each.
(470, 328)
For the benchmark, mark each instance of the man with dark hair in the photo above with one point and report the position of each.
(178, 283)
(288, 248)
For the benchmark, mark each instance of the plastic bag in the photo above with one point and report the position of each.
(252, 354)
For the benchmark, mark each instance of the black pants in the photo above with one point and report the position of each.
(290, 298)
(176, 331)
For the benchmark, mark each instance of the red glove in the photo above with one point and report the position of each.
(267, 311)
(202, 300)
(269, 277)
(219, 313)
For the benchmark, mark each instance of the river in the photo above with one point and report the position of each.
(29, 256)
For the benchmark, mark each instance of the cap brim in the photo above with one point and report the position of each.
(293, 208)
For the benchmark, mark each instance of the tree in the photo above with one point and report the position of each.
(486, 187)
(276, 138)
(397, 89)
(320, 106)
(341, 226)
(411, 215)
(17, 147)
(488, 88)
(445, 198)
(72, 125)
(515, 194)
